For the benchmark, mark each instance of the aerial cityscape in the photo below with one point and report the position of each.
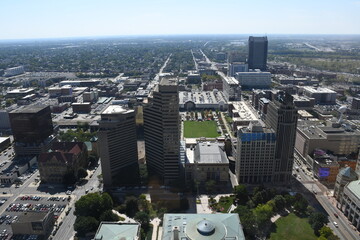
(190, 132)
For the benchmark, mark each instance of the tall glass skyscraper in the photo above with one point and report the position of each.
(258, 48)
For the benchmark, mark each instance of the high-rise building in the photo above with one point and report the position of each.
(255, 154)
(32, 129)
(282, 118)
(162, 131)
(258, 48)
(118, 146)
(31, 124)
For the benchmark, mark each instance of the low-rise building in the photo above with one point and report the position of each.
(116, 230)
(20, 93)
(200, 100)
(350, 203)
(345, 176)
(321, 95)
(64, 158)
(207, 161)
(340, 139)
(4, 143)
(242, 113)
(254, 79)
(34, 223)
(202, 226)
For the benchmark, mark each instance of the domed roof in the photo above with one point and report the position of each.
(205, 227)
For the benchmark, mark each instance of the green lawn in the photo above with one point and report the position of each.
(225, 203)
(195, 129)
(292, 227)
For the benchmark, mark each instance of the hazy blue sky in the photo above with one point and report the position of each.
(72, 18)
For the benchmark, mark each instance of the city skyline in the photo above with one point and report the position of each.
(44, 19)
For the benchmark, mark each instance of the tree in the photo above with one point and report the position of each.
(131, 206)
(109, 216)
(241, 194)
(144, 219)
(82, 173)
(317, 220)
(263, 213)
(93, 204)
(85, 225)
(280, 202)
(325, 231)
(247, 219)
(301, 205)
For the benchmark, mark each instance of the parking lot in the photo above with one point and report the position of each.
(30, 203)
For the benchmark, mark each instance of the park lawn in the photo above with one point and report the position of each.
(225, 203)
(195, 129)
(292, 227)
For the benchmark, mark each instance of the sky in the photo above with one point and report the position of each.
(26, 19)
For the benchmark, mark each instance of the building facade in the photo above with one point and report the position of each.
(162, 131)
(62, 159)
(254, 79)
(350, 203)
(207, 161)
(345, 176)
(117, 144)
(282, 117)
(258, 48)
(32, 129)
(255, 154)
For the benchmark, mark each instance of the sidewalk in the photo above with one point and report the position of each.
(155, 222)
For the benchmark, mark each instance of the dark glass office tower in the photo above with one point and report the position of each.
(282, 118)
(258, 48)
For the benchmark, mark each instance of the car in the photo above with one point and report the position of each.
(4, 192)
(336, 224)
(68, 192)
(336, 215)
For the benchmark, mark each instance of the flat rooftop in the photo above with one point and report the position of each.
(354, 187)
(202, 97)
(169, 82)
(318, 90)
(32, 216)
(116, 109)
(243, 111)
(29, 109)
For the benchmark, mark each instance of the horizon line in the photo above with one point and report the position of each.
(178, 35)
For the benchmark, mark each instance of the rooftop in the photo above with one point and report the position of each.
(354, 187)
(32, 217)
(202, 227)
(115, 109)
(242, 111)
(202, 97)
(210, 152)
(117, 231)
(29, 109)
(318, 90)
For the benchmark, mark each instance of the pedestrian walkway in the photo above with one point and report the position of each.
(155, 222)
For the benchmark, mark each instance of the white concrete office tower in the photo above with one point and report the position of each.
(162, 131)
(118, 146)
